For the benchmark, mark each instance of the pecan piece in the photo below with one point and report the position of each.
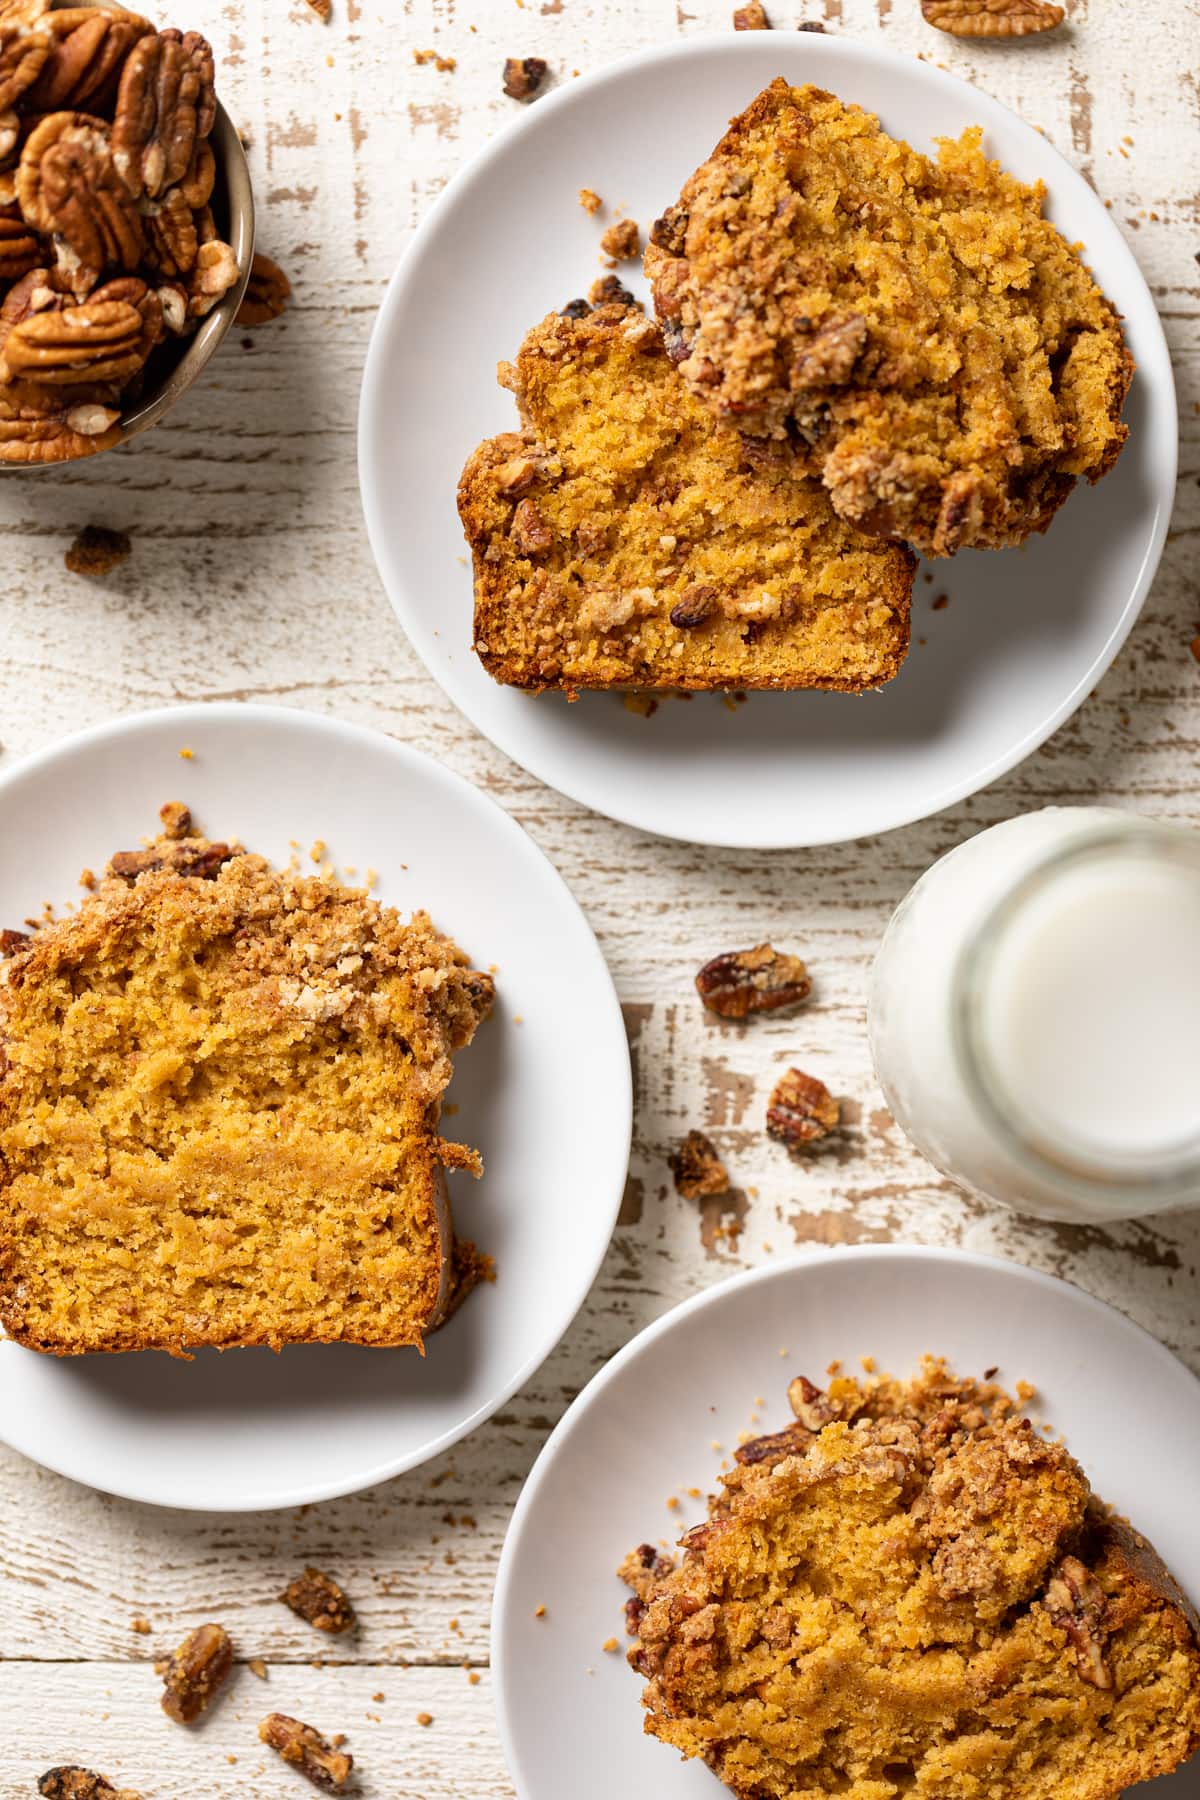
(802, 1111)
(523, 76)
(670, 232)
(215, 272)
(165, 102)
(697, 1169)
(812, 1407)
(829, 355)
(622, 240)
(529, 531)
(991, 18)
(20, 249)
(1076, 1603)
(69, 1782)
(186, 856)
(173, 299)
(11, 941)
(97, 551)
(517, 475)
(317, 1597)
(267, 293)
(752, 17)
(608, 291)
(68, 188)
(749, 981)
(100, 341)
(301, 1745)
(699, 603)
(773, 1446)
(89, 45)
(193, 1674)
(574, 309)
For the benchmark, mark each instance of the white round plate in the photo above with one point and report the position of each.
(642, 1430)
(1029, 632)
(237, 1431)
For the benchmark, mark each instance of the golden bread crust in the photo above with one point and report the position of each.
(942, 354)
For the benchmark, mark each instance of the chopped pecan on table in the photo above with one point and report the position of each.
(752, 17)
(749, 981)
(82, 69)
(267, 293)
(70, 1782)
(608, 291)
(188, 856)
(23, 56)
(312, 1754)
(622, 240)
(523, 76)
(992, 18)
(802, 1111)
(97, 551)
(69, 189)
(193, 1674)
(11, 941)
(1076, 1603)
(317, 1597)
(697, 1169)
(322, 8)
(165, 103)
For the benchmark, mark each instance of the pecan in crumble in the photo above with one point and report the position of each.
(194, 1673)
(318, 1598)
(523, 76)
(802, 1111)
(697, 1169)
(301, 1745)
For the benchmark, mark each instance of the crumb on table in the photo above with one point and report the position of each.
(590, 200)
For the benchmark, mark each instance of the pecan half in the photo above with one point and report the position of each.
(1076, 1603)
(750, 981)
(69, 1782)
(523, 76)
(41, 435)
(20, 249)
(68, 187)
(697, 1169)
(100, 341)
(165, 102)
(89, 46)
(97, 551)
(215, 271)
(307, 1750)
(187, 856)
(773, 1446)
(27, 14)
(317, 1597)
(198, 181)
(812, 1407)
(194, 1674)
(22, 58)
(267, 293)
(991, 18)
(802, 1111)
(170, 227)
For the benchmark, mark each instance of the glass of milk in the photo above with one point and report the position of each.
(1035, 1014)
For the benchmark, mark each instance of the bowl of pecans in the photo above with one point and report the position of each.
(126, 225)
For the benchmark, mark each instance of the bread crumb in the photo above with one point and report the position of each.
(539, 1612)
(378, 1697)
(258, 1667)
(187, 753)
(473, 1678)
(869, 1365)
(622, 241)
(141, 1626)
(444, 63)
(590, 200)
(610, 1645)
(424, 1718)
(1025, 1390)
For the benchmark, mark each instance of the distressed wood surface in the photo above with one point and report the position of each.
(251, 578)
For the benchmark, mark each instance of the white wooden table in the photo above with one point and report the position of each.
(251, 578)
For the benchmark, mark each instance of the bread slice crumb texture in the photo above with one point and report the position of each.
(218, 1111)
(626, 539)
